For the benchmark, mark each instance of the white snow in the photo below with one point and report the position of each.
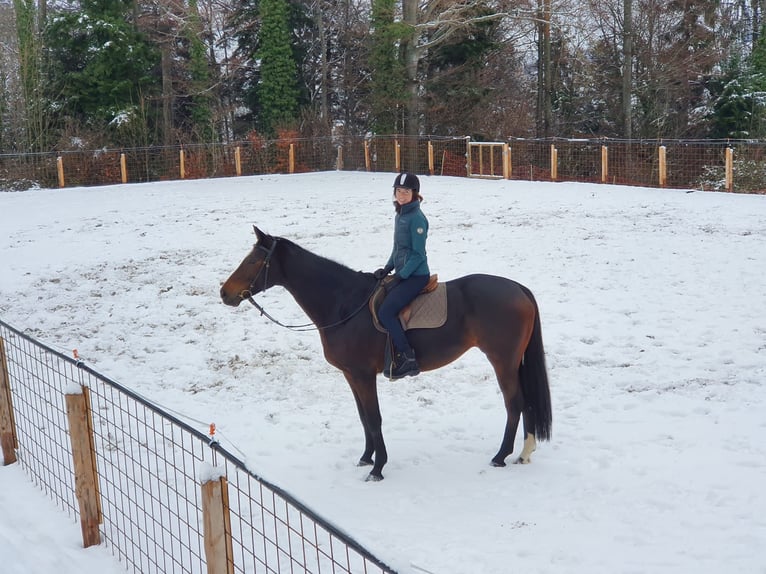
(654, 320)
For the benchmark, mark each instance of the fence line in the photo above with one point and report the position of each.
(152, 475)
(731, 165)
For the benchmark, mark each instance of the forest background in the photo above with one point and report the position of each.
(93, 74)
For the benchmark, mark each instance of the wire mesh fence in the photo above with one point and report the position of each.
(150, 466)
(689, 164)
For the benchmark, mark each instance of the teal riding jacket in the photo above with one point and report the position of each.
(408, 256)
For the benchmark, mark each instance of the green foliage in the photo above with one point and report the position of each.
(202, 104)
(98, 63)
(30, 75)
(278, 85)
(749, 176)
(388, 85)
(739, 106)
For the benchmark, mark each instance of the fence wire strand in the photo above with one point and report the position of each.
(148, 465)
(691, 164)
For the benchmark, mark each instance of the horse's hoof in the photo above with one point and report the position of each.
(522, 460)
(364, 462)
(498, 463)
(373, 478)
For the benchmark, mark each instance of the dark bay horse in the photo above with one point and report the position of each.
(497, 315)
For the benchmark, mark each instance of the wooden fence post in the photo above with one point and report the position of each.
(729, 169)
(604, 164)
(663, 176)
(238, 160)
(8, 438)
(291, 159)
(430, 158)
(367, 163)
(398, 156)
(123, 168)
(468, 164)
(506, 161)
(84, 457)
(182, 163)
(60, 170)
(554, 163)
(217, 526)
(339, 162)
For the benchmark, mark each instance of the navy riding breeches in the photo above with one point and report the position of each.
(399, 297)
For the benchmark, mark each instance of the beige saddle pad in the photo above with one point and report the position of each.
(427, 311)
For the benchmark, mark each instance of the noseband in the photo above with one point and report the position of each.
(248, 293)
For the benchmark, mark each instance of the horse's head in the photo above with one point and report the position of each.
(252, 274)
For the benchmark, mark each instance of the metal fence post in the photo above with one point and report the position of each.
(84, 457)
(8, 437)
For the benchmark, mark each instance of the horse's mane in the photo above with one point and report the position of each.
(329, 273)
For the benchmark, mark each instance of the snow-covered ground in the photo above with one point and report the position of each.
(653, 310)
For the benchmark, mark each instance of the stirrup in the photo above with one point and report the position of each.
(407, 368)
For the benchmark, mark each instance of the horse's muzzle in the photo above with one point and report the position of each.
(229, 299)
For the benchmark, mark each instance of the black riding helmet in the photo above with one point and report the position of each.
(408, 181)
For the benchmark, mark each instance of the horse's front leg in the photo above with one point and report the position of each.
(366, 458)
(366, 396)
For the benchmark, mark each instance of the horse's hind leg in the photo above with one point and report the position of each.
(508, 379)
(530, 444)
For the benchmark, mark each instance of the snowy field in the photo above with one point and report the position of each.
(653, 311)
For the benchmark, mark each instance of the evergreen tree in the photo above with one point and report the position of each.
(278, 85)
(202, 104)
(100, 66)
(739, 108)
(388, 93)
(30, 62)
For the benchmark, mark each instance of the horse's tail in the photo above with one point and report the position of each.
(534, 379)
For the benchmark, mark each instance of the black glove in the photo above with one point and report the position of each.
(380, 273)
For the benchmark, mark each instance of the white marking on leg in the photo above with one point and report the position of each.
(530, 445)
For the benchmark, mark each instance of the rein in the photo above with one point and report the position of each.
(248, 295)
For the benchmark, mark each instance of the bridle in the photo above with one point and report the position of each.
(247, 294)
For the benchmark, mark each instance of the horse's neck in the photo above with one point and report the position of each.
(322, 288)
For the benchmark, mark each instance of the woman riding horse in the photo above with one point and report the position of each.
(410, 264)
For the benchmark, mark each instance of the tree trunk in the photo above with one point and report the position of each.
(42, 15)
(411, 57)
(167, 94)
(324, 87)
(627, 68)
(544, 113)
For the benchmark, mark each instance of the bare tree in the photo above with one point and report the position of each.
(627, 68)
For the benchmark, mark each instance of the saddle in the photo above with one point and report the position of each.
(427, 311)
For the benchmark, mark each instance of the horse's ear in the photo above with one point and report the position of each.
(259, 234)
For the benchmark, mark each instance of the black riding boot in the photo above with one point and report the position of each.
(404, 365)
